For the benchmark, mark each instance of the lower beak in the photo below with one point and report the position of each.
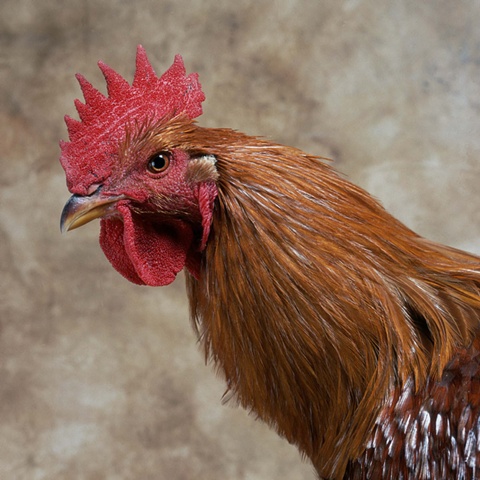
(80, 209)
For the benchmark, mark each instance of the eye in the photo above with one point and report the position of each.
(159, 162)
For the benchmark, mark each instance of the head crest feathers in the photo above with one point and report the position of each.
(94, 139)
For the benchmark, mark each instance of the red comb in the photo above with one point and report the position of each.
(94, 139)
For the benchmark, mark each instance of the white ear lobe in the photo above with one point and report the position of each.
(202, 169)
(209, 158)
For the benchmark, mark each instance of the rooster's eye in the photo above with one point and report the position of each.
(159, 162)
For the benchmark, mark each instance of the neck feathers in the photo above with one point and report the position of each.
(314, 302)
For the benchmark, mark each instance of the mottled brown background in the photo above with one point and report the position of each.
(101, 379)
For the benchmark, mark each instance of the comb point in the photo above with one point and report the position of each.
(144, 72)
(91, 95)
(117, 86)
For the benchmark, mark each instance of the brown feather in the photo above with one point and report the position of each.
(313, 301)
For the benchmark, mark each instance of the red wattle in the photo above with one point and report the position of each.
(111, 241)
(147, 253)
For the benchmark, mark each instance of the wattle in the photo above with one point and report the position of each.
(145, 252)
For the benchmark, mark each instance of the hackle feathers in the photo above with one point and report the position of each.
(314, 302)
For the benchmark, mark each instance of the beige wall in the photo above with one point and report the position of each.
(101, 379)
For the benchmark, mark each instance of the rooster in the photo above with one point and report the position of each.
(353, 337)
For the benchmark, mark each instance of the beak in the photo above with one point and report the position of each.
(80, 209)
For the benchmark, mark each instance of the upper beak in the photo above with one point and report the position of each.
(80, 209)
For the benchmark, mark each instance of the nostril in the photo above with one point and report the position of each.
(93, 188)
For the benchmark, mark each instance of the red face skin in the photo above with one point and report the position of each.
(153, 189)
(146, 244)
(156, 221)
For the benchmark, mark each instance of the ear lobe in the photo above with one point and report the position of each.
(207, 192)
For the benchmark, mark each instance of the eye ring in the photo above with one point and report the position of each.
(159, 162)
